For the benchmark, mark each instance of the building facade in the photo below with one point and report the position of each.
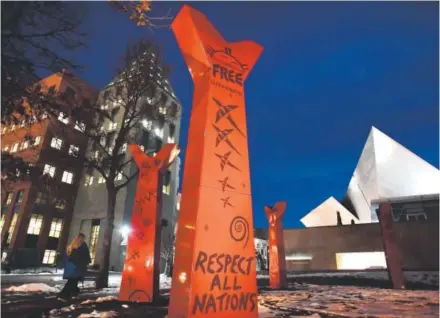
(33, 220)
(386, 170)
(91, 205)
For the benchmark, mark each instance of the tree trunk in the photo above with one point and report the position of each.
(102, 278)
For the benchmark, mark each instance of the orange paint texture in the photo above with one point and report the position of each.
(140, 276)
(277, 254)
(214, 272)
(391, 250)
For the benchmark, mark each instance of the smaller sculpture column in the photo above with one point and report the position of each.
(277, 254)
(140, 276)
(392, 253)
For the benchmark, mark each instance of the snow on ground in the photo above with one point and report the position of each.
(114, 284)
(102, 314)
(352, 301)
(425, 277)
(165, 281)
(34, 287)
(34, 271)
(429, 278)
(99, 300)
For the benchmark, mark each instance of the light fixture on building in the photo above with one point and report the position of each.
(125, 230)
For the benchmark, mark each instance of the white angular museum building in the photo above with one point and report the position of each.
(388, 171)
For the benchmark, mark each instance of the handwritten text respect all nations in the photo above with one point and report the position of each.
(225, 291)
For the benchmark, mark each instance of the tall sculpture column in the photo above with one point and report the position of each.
(277, 254)
(140, 276)
(214, 272)
(391, 250)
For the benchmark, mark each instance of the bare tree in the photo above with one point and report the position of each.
(140, 13)
(36, 39)
(167, 252)
(124, 111)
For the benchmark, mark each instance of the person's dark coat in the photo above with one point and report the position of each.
(75, 265)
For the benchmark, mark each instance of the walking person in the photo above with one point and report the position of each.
(75, 266)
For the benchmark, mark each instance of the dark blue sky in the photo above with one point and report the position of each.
(329, 71)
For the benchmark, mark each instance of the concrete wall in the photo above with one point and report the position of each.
(417, 241)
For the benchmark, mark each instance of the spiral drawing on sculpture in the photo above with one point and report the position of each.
(239, 230)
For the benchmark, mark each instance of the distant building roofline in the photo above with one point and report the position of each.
(412, 198)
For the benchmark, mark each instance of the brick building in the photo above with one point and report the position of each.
(32, 219)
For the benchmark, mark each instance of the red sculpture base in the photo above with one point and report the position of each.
(214, 272)
(277, 254)
(140, 276)
(392, 253)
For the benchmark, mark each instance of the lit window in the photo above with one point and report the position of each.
(148, 124)
(12, 227)
(63, 118)
(67, 177)
(80, 126)
(88, 180)
(159, 132)
(101, 179)
(41, 198)
(162, 110)
(19, 196)
(56, 143)
(60, 205)
(2, 222)
(94, 242)
(49, 257)
(112, 126)
(73, 150)
(37, 140)
(50, 170)
(55, 228)
(9, 198)
(35, 224)
(166, 189)
(25, 145)
(14, 147)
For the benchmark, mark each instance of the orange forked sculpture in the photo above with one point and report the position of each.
(140, 276)
(214, 272)
(391, 250)
(277, 254)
